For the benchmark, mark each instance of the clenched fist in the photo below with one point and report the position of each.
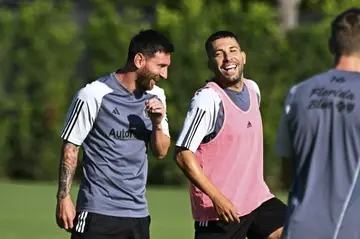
(155, 109)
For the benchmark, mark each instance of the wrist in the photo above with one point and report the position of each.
(61, 196)
(157, 127)
(214, 196)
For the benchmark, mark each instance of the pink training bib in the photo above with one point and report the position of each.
(233, 160)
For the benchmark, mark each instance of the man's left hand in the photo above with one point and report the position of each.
(156, 110)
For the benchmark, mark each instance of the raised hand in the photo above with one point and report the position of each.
(156, 110)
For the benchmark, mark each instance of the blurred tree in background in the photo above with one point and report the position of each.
(41, 49)
(46, 56)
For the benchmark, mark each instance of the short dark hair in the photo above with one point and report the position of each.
(218, 35)
(345, 33)
(148, 42)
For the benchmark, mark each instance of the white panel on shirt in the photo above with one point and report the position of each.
(83, 112)
(201, 117)
(159, 92)
(256, 88)
(283, 141)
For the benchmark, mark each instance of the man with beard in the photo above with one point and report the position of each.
(114, 119)
(220, 150)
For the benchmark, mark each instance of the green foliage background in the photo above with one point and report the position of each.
(46, 56)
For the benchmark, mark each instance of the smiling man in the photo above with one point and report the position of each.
(115, 119)
(220, 150)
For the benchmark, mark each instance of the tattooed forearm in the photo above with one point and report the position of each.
(67, 167)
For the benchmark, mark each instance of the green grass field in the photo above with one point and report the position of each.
(27, 210)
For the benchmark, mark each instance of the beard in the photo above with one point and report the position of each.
(145, 78)
(230, 80)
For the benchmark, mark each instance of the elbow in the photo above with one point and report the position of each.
(161, 156)
(161, 150)
(179, 159)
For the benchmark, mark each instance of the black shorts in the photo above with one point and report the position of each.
(96, 226)
(259, 224)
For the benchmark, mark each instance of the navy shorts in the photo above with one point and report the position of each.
(96, 226)
(259, 224)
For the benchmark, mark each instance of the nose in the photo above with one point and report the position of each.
(227, 57)
(164, 73)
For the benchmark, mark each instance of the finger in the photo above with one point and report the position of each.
(158, 111)
(152, 100)
(73, 214)
(225, 218)
(66, 227)
(70, 223)
(235, 216)
(57, 217)
(234, 219)
(155, 105)
(230, 217)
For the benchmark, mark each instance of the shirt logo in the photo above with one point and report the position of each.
(116, 111)
(121, 134)
(249, 124)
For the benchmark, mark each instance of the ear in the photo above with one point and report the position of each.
(139, 60)
(243, 55)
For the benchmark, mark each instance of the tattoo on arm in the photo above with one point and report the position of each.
(67, 167)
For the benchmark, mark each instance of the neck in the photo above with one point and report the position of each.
(235, 86)
(127, 78)
(348, 63)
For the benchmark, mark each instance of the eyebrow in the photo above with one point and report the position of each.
(232, 47)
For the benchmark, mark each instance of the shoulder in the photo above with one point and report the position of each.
(313, 81)
(298, 91)
(95, 90)
(254, 86)
(307, 84)
(206, 96)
